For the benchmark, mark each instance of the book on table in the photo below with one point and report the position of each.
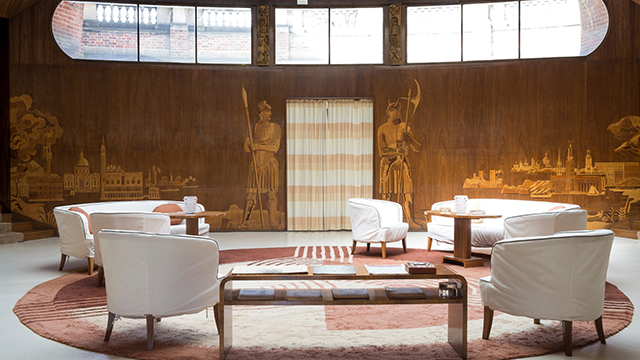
(277, 269)
(341, 293)
(334, 270)
(385, 269)
(256, 294)
(414, 267)
(405, 293)
(304, 294)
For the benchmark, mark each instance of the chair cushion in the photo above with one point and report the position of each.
(482, 235)
(169, 208)
(79, 210)
(393, 233)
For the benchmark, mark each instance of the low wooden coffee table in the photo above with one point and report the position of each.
(462, 237)
(457, 307)
(192, 219)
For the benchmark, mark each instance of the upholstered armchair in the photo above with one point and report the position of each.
(139, 221)
(555, 277)
(154, 276)
(377, 221)
(74, 242)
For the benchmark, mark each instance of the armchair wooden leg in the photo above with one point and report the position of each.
(150, 321)
(404, 244)
(384, 250)
(62, 261)
(536, 321)
(566, 333)
(487, 322)
(429, 241)
(368, 247)
(100, 276)
(353, 247)
(600, 330)
(216, 316)
(110, 321)
(90, 266)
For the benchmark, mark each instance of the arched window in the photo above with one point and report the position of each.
(153, 33)
(505, 30)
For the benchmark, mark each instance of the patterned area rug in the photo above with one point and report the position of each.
(71, 310)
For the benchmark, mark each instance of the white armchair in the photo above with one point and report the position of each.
(76, 238)
(555, 277)
(156, 276)
(377, 221)
(139, 221)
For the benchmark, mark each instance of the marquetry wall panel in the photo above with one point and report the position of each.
(4, 116)
(188, 123)
(617, 42)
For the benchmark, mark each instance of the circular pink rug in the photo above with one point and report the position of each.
(72, 310)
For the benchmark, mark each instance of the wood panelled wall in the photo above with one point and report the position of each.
(190, 120)
(4, 116)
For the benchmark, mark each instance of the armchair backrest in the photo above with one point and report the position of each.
(557, 277)
(545, 223)
(139, 221)
(368, 216)
(157, 274)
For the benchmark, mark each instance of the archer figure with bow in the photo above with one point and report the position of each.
(264, 176)
(395, 141)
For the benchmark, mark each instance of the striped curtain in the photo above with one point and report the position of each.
(329, 160)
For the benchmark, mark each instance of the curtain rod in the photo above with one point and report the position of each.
(331, 98)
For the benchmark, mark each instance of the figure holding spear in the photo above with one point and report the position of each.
(264, 175)
(395, 141)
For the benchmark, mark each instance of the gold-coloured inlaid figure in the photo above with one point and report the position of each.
(396, 140)
(264, 175)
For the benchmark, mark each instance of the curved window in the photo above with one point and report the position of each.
(153, 33)
(505, 30)
(522, 29)
(561, 27)
(97, 31)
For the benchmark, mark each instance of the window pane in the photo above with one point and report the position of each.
(490, 31)
(433, 33)
(167, 34)
(224, 35)
(549, 28)
(302, 36)
(356, 36)
(95, 31)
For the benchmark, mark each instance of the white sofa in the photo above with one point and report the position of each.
(77, 240)
(519, 218)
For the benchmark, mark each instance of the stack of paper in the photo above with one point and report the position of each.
(280, 269)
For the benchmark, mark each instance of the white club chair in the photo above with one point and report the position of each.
(556, 277)
(74, 243)
(155, 276)
(139, 221)
(377, 221)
